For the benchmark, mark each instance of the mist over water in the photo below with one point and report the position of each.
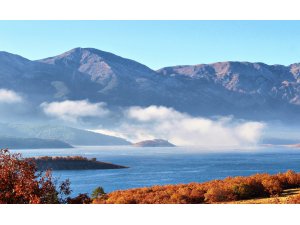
(159, 166)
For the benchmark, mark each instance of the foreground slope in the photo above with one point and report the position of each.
(288, 196)
(229, 190)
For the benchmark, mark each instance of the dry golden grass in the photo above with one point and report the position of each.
(282, 199)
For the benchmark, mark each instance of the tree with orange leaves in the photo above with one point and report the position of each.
(21, 183)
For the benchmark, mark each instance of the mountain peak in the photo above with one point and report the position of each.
(79, 51)
(104, 69)
(73, 56)
(83, 55)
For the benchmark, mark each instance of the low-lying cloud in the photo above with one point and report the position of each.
(9, 96)
(74, 110)
(185, 130)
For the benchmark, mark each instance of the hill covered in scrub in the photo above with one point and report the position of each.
(72, 163)
(230, 189)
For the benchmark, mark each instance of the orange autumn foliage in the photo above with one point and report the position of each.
(216, 191)
(21, 183)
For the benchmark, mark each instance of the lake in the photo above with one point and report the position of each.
(157, 166)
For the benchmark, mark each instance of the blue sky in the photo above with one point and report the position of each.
(159, 43)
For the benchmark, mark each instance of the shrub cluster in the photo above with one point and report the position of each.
(216, 191)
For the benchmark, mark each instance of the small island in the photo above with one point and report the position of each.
(154, 143)
(72, 163)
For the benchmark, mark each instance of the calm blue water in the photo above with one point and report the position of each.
(151, 166)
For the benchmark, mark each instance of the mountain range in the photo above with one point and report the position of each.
(243, 89)
(54, 136)
(31, 143)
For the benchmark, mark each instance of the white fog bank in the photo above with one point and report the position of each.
(184, 130)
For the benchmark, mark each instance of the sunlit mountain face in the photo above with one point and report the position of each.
(94, 89)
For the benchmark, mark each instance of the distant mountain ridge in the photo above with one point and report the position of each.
(31, 143)
(243, 89)
(69, 135)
